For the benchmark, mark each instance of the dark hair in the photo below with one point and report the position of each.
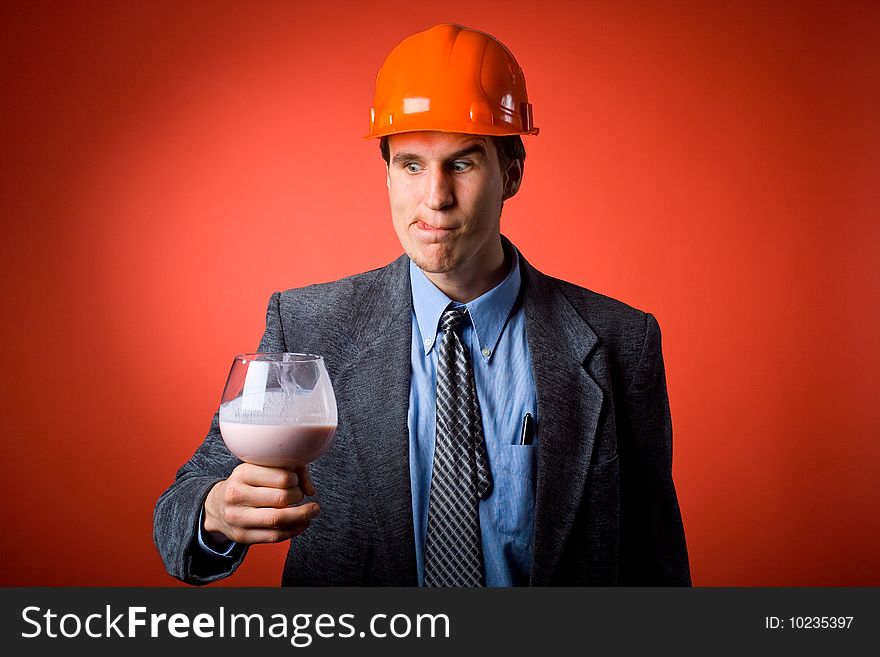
(508, 147)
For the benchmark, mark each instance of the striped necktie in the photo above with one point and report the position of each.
(461, 478)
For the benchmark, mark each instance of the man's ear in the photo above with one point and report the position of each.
(512, 178)
(388, 176)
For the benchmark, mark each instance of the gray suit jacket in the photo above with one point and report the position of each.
(606, 509)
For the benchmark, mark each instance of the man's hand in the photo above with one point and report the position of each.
(254, 505)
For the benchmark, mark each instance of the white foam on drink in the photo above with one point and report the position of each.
(269, 407)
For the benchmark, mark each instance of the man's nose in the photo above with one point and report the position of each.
(439, 194)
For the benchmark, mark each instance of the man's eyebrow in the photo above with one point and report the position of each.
(403, 158)
(477, 147)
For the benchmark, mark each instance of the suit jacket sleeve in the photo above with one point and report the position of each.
(176, 517)
(653, 548)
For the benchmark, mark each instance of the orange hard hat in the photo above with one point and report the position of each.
(451, 79)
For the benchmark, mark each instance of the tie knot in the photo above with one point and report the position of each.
(452, 318)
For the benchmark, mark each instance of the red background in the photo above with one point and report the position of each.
(167, 166)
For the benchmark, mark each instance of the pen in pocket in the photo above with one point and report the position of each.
(528, 430)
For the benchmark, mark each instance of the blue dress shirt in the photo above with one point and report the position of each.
(496, 341)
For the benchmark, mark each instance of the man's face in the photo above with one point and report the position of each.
(446, 191)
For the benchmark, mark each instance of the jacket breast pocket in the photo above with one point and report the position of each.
(515, 488)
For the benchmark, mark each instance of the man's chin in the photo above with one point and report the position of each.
(432, 263)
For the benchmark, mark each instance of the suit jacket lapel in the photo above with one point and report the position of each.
(373, 407)
(569, 404)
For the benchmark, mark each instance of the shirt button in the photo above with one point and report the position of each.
(428, 342)
(487, 352)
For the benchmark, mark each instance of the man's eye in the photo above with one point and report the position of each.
(412, 167)
(460, 166)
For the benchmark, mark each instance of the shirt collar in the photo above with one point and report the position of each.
(488, 312)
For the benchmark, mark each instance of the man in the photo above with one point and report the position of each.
(496, 426)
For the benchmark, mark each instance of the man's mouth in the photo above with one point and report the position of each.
(421, 225)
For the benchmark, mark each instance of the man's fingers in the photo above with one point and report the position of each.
(237, 494)
(260, 475)
(274, 497)
(305, 480)
(287, 518)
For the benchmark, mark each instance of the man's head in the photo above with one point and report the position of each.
(449, 110)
